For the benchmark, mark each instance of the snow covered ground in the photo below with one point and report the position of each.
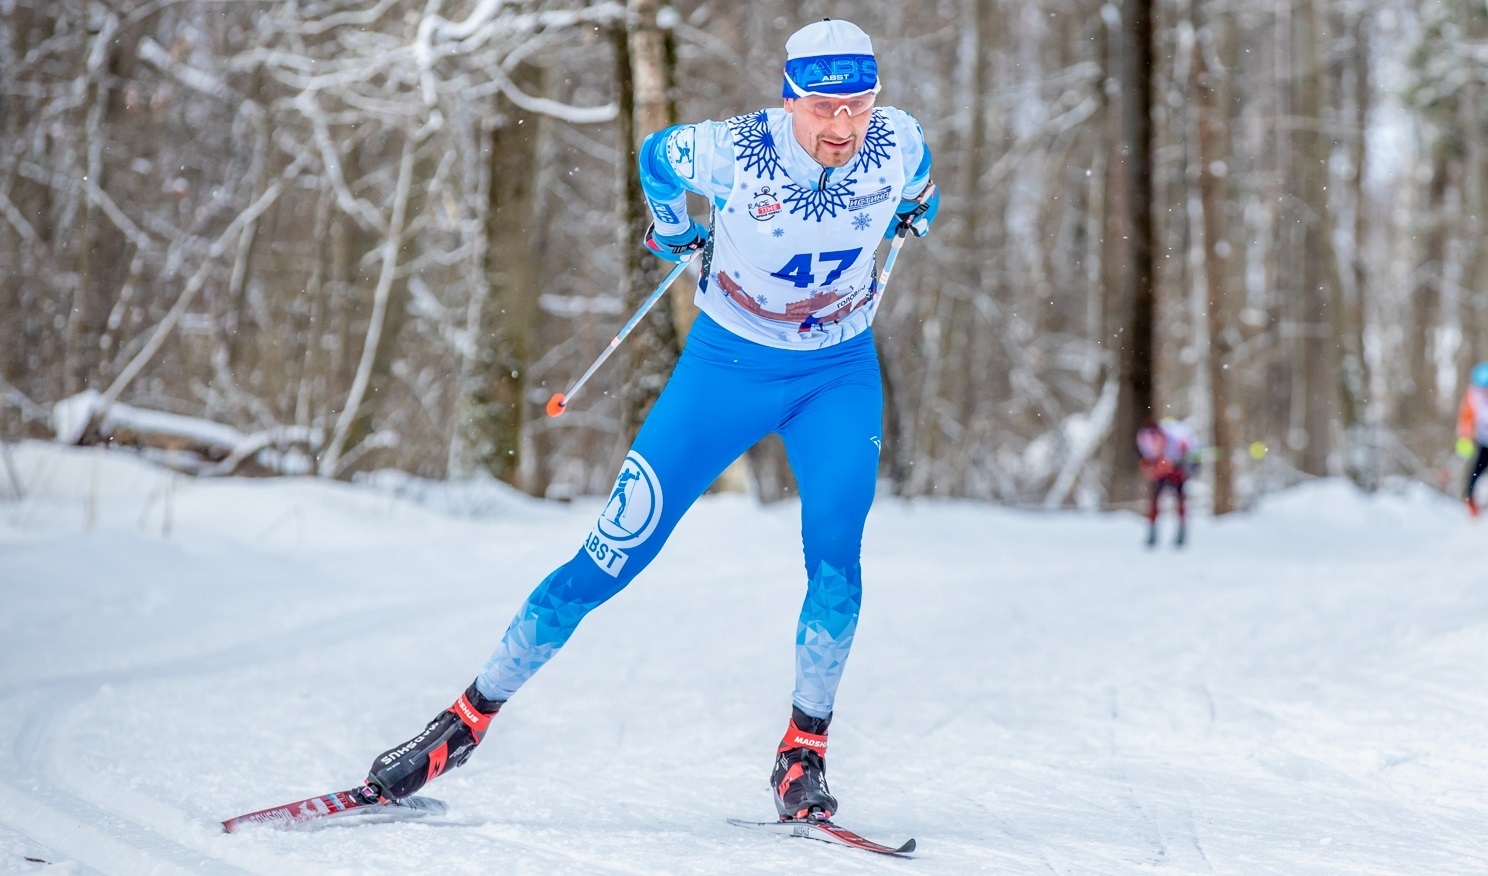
(1303, 690)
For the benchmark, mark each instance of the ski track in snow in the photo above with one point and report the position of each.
(1299, 692)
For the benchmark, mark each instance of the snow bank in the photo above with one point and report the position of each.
(1300, 691)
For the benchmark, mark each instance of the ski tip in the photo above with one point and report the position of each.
(908, 847)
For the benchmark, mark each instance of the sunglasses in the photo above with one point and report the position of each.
(828, 107)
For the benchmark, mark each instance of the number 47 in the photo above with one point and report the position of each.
(798, 269)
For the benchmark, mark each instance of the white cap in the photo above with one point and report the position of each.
(829, 57)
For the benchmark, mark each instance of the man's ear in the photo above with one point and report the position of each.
(790, 104)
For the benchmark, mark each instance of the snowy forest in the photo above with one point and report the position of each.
(366, 234)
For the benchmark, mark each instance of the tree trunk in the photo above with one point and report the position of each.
(1474, 293)
(1321, 329)
(100, 245)
(650, 351)
(1209, 88)
(513, 268)
(1360, 453)
(1419, 397)
(1135, 401)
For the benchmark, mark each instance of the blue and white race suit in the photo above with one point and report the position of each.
(791, 258)
(783, 346)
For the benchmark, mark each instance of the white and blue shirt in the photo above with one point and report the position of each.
(790, 259)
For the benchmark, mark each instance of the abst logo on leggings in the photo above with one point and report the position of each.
(628, 518)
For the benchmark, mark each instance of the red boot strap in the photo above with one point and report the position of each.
(474, 718)
(795, 737)
(795, 772)
(437, 759)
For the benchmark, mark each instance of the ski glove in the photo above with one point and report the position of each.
(677, 247)
(1465, 447)
(916, 214)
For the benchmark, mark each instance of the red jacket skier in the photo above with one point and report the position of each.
(1168, 454)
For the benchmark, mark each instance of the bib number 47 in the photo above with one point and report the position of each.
(798, 271)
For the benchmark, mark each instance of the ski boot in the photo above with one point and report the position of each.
(1181, 537)
(1152, 535)
(799, 780)
(445, 743)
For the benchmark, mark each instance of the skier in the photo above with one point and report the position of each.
(1472, 431)
(1168, 454)
(800, 197)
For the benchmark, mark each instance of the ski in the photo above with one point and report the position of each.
(354, 803)
(826, 831)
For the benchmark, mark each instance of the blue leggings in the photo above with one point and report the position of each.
(724, 396)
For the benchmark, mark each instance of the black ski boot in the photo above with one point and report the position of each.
(1181, 537)
(446, 743)
(799, 780)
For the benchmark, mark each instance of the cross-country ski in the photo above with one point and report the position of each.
(825, 831)
(340, 807)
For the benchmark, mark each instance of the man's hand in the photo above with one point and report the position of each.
(677, 247)
(915, 214)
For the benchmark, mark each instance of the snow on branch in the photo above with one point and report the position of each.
(189, 444)
(200, 80)
(574, 115)
(367, 66)
(121, 220)
(18, 221)
(362, 18)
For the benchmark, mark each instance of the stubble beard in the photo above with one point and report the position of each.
(826, 156)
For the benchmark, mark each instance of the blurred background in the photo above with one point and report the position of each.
(371, 235)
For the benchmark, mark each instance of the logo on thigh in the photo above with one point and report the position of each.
(628, 518)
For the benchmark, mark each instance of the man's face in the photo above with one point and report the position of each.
(826, 127)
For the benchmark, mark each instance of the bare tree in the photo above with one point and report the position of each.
(1135, 401)
(652, 348)
(1209, 88)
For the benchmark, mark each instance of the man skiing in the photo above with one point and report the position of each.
(800, 197)
(1168, 454)
(1472, 431)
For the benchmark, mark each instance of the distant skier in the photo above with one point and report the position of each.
(800, 198)
(1472, 431)
(1168, 454)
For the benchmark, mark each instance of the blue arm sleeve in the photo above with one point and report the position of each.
(685, 158)
(666, 194)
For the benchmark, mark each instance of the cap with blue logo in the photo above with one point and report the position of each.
(829, 57)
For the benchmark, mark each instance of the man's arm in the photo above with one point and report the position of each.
(916, 152)
(680, 159)
(919, 200)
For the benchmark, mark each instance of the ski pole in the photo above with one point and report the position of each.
(898, 244)
(559, 402)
